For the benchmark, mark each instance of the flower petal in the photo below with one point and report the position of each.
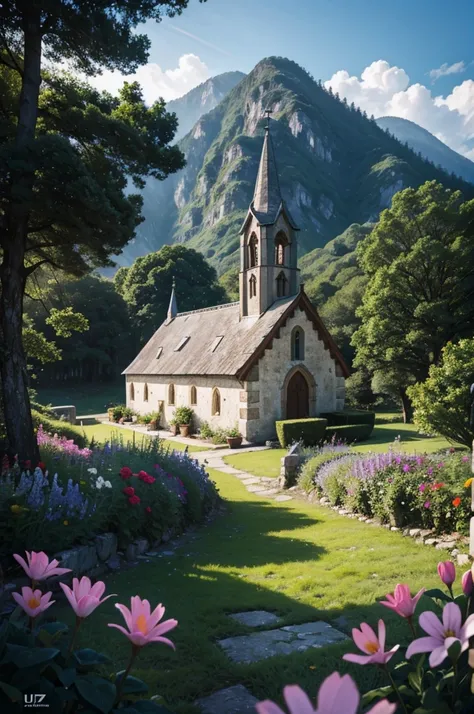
(422, 644)
(383, 707)
(438, 655)
(431, 624)
(382, 633)
(338, 694)
(358, 659)
(127, 615)
(268, 707)
(452, 618)
(297, 700)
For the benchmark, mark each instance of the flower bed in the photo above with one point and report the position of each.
(134, 492)
(400, 489)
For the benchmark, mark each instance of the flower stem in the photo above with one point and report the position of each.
(450, 588)
(412, 627)
(74, 635)
(395, 689)
(122, 681)
(455, 669)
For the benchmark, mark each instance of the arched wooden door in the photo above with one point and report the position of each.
(297, 397)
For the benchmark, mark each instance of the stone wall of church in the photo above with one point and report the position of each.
(265, 388)
(158, 391)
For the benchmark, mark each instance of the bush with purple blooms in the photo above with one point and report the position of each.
(429, 491)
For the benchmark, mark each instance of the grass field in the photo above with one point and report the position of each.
(296, 559)
(105, 432)
(88, 398)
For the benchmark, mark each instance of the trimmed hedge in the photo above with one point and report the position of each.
(349, 417)
(309, 431)
(349, 432)
(62, 428)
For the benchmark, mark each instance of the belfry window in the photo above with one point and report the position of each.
(281, 282)
(253, 251)
(253, 286)
(297, 344)
(281, 244)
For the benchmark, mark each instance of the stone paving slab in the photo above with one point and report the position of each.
(283, 641)
(283, 498)
(255, 618)
(254, 488)
(233, 700)
(267, 492)
(250, 481)
(229, 469)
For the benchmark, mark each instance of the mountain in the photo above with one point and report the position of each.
(202, 99)
(429, 146)
(336, 167)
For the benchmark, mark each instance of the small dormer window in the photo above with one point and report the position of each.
(181, 343)
(159, 352)
(216, 343)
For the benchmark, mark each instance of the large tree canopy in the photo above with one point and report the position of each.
(419, 261)
(146, 286)
(65, 154)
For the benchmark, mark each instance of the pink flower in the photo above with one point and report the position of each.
(84, 597)
(368, 642)
(38, 566)
(406, 468)
(427, 504)
(134, 500)
(33, 602)
(148, 509)
(128, 491)
(422, 487)
(447, 572)
(149, 479)
(467, 583)
(125, 472)
(142, 475)
(402, 602)
(142, 624)
(336, 694)
(442, 634)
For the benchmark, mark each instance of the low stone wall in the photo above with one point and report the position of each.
(68, 413)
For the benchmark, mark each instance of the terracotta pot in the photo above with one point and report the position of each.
(184, 429)
(234, 441)
(173, 429)
(152, 426)
(110, 412)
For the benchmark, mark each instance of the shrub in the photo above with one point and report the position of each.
(183, 415)
(349, 417)
(233, 432)
(350, 432)
(309, 431)
(306, 479)
(118, 411)
(219, 436)
(61, 428)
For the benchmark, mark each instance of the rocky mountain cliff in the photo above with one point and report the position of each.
(429, 146)
(202, 99)
(336, 167)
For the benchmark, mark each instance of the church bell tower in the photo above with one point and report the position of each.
(268, 248)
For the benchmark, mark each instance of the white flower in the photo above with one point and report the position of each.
(92, 471)
(107, 484)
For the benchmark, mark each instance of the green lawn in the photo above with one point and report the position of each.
(296, 559)
(88, 398)
(105, 432)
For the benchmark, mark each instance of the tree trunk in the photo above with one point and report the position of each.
(407, 407)
(16, 402)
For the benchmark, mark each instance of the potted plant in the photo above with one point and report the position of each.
(128, 414)
(117, 413)
(110, 413)
(153, 421)
(184, 417)
(234, 437)
(173, 424)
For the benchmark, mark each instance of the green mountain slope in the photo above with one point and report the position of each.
(336, 167)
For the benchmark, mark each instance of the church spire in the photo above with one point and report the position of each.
(267, 198)
(173, 307)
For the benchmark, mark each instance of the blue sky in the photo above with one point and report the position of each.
(377, 54)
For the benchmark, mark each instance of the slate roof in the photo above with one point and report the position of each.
(243, 341)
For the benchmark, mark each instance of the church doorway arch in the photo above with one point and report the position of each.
(298, 394)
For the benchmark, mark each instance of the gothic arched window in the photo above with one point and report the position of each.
(193, 396)
(171, 395)
(216, 402)
(253, 286)
(145, 392)
(281, 243)
(281, 282)
(132, 391)
(297, 344)
(253, 251)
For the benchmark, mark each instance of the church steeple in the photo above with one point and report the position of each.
(268, 259)
(173, 306)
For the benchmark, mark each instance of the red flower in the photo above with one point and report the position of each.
(437, 486)
(142, 475)
(149, 479)
(42, 465)
(148, 509)
(125, 472)
(456, 502)
(129, 491)
(134, 500)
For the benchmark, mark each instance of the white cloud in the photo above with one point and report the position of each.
(446, 69)
(383, 90)
(156, 82)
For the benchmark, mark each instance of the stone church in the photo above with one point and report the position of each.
(249, 363)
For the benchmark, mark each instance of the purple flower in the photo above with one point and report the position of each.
(440, 465)
(465, 459)
(429, 471)
(427, 504)
(422, 487)
(406, 468)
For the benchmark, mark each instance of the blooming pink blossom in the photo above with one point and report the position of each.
(59, 443)
(134, 500)
(442, 634)
(38, 566)
(467, 583)
(33, 602)
(128, 491)
(142, 624)
(336, 694)
(373, 646)
(84, 597)
(401, 601)
(125, 472)
(447, 572)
